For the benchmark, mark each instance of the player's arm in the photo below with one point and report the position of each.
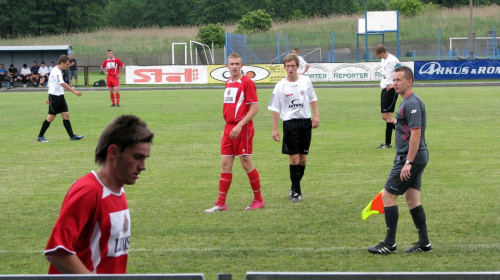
(104, 70)
(254, 109)
(122, 69)
(307, 68)
(276, 132)
(66, 262)
(315, 120)
(67, 87)
(415, 135)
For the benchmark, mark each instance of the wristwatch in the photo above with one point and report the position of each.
(409, 162)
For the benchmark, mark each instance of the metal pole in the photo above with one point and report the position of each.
(471, 32)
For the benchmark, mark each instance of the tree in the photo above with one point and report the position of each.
(375, 5)
(255, 21)
(212, 33)
(408, 8)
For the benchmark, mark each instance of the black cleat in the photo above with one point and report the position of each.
(384, 146)
(76, 137)
(418, 248)
(382, 248)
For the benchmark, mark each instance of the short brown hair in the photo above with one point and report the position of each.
(63, 59)
(380, 49)
(407, 72)
(291, 57)
(125, 131)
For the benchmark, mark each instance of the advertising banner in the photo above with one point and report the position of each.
(166, 75)
(262, 73)
(457, 70)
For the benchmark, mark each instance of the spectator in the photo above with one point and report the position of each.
(73, 71)
(25, 75)
(35, 77)
(52, 65)
(2, 74)
(44, 73)
(12, 72)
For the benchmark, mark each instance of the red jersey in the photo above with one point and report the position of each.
(112, 66)
(237, 99)
(94, 224)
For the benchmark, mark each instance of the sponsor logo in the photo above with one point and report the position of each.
(122, 244)
(253, 72)
(351, 72)
(158, 76)
(295, 104)
(288, 95)
(435, 68)
(413, 111)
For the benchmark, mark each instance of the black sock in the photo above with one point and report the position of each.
(295, 178)
(302, 168)
(418, 215)
(45, 126)
(388, 133)
(391, 221)
(67, 125)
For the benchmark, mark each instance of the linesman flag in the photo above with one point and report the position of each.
(376, 206)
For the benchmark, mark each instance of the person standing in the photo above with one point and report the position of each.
(409, 164)
(44, 73)
(12, 73)
(73, 71)
(388, 96)
(92, 232)
(35, 76)
(113, 67)
(291, 101)
(57, 102)
(303, 65)
(240, 106)
(25, 75)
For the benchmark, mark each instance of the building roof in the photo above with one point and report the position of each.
(35, 48)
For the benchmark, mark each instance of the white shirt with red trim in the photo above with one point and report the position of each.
(291, 99)
(94, 224)
(113, 66)
(237, 99)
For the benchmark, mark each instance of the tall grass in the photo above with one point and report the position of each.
(308, 32)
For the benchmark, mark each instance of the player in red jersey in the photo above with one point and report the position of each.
(240, 106)
(92, 233)
(113, 67)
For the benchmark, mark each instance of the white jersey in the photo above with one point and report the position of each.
(292, 99)
(302, 65)
(25, 71)
(55, 82)
(43, 71)
(388, 66)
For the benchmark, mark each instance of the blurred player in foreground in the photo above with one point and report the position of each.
(240, 106)
(409, 164)
(92, 233)
(290, 102)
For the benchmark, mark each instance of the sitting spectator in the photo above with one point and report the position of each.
(25, 75)
(12, 75)
(44, 73)
(2, 74)
(35, 77)
(52, 65)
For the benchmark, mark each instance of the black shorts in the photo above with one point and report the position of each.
(57, 104)
(296, 136)
(388, 100)
(394, 184)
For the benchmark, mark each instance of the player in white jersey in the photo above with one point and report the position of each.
(303, 65)
(388, 97)
(291, 101)
(57, 102)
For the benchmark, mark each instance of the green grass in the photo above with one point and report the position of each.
(170, 232)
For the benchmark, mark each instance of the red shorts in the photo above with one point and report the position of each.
(113, 81)
(242, 145)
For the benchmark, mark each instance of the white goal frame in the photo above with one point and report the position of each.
(185, 53)
(205, 47)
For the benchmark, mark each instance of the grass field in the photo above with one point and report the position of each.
(170, 232)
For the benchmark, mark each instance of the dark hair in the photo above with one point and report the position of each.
(12, 65)
(407, 72)
(380, 49)
(63, 59)
(42, 62)
(110, 50)
(291, 57)
(25, 65)
(125, 131)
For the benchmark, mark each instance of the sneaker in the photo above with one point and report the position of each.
(41, 139)
(417, 248)
(297, 197)
(113, 105)
(76, 137)
(384, 146)
(24, 86)
(216, 208)
(382, 248)
(290, 194)
(117, 105)
(255, 205)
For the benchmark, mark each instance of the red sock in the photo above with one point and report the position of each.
(112, 96)
(254, 179)
(117, 98)
(224, 184)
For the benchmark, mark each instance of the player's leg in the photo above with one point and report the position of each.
(67, 122)
(109, 84)
(254, 179)
(387, 105)
(117, 95)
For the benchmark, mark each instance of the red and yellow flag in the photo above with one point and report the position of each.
(376, 206)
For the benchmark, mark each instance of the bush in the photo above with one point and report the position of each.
(375, 5)
(212, 33)
(254, 22)
(297, 15)
(408, 8)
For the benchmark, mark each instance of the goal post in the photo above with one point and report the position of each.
(206, 58)
(185, 52)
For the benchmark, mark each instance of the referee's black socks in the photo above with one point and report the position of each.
(418, 215)
(391, 221)
(388, 132)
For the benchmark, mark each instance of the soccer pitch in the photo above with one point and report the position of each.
(170, 232)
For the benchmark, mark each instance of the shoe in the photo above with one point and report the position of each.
(76, 137)
(384, 146)
(382, 248)
(216, 208)
(117, 105)
(290, 194)
(255, 205)
(297, 197)
(417, 248)
(24, 86)
(113, 105)
(41, 139)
